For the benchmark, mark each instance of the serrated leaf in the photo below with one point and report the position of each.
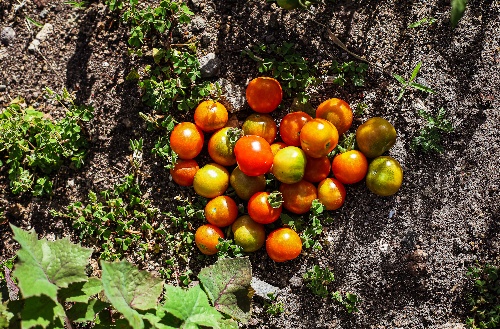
(5, 315)
(44, 266)
(191, 307)
(128, 289)
(84, 312)
(457, 11)
(80, 292)
(227, 284)
(40, 311)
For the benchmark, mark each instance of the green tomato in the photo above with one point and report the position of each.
(289, 165)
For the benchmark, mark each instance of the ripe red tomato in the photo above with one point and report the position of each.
(262, 125)
(283, 244)
(261, 211)
(264, 94)
(253, 155)
(331, 193)
(290, 127)
(183, 172)
(337, 112)
(298, 197)
(187, 140)
(210, 116)
(207, 237)
(318, 137)
(350, 167)
(317, 169)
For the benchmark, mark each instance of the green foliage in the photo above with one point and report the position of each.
(405, 84)
(485, 299)
(429, 139)
(349, 301)
(228, 249)
(9, 263)
(351, 70)
(318, 279)
(274, 307)
(457, 11)
(425, 20)
(77, 4)
(36, 146)
(160, 19)
(66, 295)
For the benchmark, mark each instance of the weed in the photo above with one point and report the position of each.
(360, 109)
(114, 4)
(8, 263)
(429, 139)
(351, 70)
(349, 301)
(485, 300)
(274, 307)
(32, 21)
(425, 20)
(36, 146)
(405, 84)
(457, 11)
(318, 279)
(228, 249)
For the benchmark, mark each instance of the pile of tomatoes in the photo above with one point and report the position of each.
(299, 162)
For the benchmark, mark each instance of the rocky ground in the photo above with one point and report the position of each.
(405, 256)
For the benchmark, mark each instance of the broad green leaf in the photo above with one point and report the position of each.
(5, 315)
(227, 284)
(415, 71)
(80, 292)
(129, 289)
(84, 312)
(40, 311)
(191, 307)
(44, 266)
(457, 11)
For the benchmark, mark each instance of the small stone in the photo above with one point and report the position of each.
(43, 13)
(263, 289)
(3, 88)
(198, 24)
(206, 40)
(7, 35)
(209, 65)
(233, 97)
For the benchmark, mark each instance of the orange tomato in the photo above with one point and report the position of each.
(183, 172)
(283, 244)
(261, 211)
(187, 140)
(331, 193)
(262, 125)
(253, 155)
(207, 237)
(318, 137)
(211, 180)
(210, 116)
(264, 94)
(245, 186)
(317, 169)
(290, 127)
(220, 148)
(350, 167)
(298, 197)
(221, 211)
(337, 112)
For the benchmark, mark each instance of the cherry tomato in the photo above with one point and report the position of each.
(298, 197)
(331, 193)
(187, 140)
(283, 244)
(290, 127)
(207, 237)
(264, 94)
(210, 116)
(211, 180)
(262, 125)
(183, 172)
(318, 137)
(317, 169)
(221, 211)
(221, 149)
(385, 176)
(260, 210)
(248, 234)
(289, 165)
(350, 167)
(337, 112)
(253, 155)
(245, 186)
(375, 136)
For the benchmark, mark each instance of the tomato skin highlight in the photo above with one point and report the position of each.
(350, 167)
(283, 244)
(261, 211)
(253, 155)
(207, 237)
(331, 193)
(290, 127)
(289, 165)
(318, 138)
(210, 116)
(187, 140)
(183, 172)
(298, 197)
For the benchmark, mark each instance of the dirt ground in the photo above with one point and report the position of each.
(406, 255)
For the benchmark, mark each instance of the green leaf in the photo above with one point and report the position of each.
(457, 11)
(129, 289)
(422, 87)
(227, 284)
(84, 312)
(40, 311)
(191, 307)
(400, 79)
(5, 315)
(44, 266)
(80, 292)
(415, 71)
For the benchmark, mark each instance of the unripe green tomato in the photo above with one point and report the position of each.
(289, 165)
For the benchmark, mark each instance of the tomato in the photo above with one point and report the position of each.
(290, 127)
(210, 116)
(337, 112)
(221, 211)
(317, 169)
(385, 176)
(283, 244)
(261, 211)
(289, 165)
(298, 197)
(318, 137)
(350, 167)
(221, 149)
(262, 125)
(245, 186)
(183, 172)
(275, 147)
(331, 193)
(211, 180)
(375, 136)
(207, 237)
(253, 155)
(187, 140)
(248, 234)
(264, 94)
(288, 4)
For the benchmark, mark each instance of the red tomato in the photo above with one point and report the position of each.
(187, 140)
(298, 197)
(183, 172)
(207, 237)
(350, 167)
(331, 193)
(291, 125)
(317, 169)
(261, 211)
(283, 244)
(253, 155)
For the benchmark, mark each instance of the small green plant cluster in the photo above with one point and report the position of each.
(318, 280)
(63, 296)
(35, 145)
(410, 83)
(351, 70)
(423, 21)
(429, 139)
(275, 306)
(485, 300)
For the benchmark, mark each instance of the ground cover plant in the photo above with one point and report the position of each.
(171, 186)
